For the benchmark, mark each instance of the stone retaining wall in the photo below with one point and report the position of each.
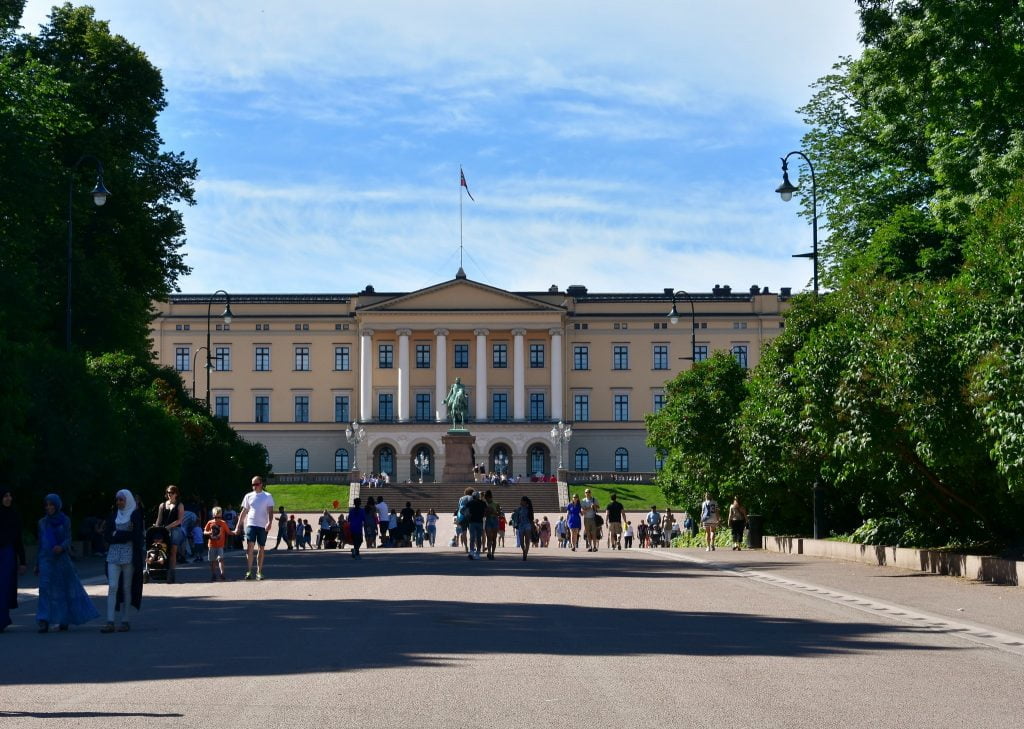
(972, 567)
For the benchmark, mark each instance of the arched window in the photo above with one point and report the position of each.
(341, 460)
(538, 459)
(582, 459)
(387, 460)
(301, 460)
(621, 459)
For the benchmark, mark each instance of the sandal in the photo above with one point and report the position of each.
(108, 628)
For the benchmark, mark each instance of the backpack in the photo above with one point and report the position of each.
(462, 515)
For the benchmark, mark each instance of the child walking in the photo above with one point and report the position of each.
(217, 531)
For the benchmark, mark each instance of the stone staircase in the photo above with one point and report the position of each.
(444, 497)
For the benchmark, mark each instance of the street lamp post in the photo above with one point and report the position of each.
(227, 320)
(422, 463)
(194, 360)
(786, 190)
(673, 316)
(354, 434)
(561, 433)
(500, 463)
(99, 196)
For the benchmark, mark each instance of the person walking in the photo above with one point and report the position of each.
(432, 527)
(667, 523)
(491, 523)
(62, 599)
(300, 534)
(257, 515)
(370, 522)
(709, 520)
(627, 535)
(613, 515)
(737, 520)
(170, 515)
(477, 509)
(282, 529)
(217, 530)
(12, 557)
(591, 527)
(573, 519)
(522, 519)
(126, 547)
(356, 522)
(383, 520)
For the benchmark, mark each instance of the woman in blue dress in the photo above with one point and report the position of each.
(62, 599)
(574, 520)
(12, 557)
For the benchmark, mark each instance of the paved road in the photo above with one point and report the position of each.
(428, 638)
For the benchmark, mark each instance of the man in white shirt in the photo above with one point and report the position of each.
(384, 517)
(257, 515)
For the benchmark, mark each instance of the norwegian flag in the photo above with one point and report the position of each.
(462, 181)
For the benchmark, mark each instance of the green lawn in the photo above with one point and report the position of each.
(309, 496)
(635, 497)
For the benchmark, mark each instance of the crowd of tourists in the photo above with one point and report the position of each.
(132, 553)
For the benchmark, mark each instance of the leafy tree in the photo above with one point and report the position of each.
(77, 89)
(926, 125)
(696, 430)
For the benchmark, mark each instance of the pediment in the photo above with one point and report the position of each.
(460, 295)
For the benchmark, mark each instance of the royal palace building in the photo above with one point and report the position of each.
(294, 371)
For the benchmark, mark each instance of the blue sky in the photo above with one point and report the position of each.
(624, 146)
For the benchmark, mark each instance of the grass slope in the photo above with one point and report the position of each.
(635, 497)
(309, 496)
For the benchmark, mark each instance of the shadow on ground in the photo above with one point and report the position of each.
(209, 636)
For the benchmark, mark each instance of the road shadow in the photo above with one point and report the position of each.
(209, 636)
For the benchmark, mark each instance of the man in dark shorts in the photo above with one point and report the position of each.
(614, 519)
(257, 516)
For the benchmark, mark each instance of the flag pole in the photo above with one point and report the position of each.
(460, 216)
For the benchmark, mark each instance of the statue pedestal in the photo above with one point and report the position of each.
(458, 456)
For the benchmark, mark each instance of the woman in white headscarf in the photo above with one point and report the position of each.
(124, 534)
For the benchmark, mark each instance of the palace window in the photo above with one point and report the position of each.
(302, 408)
(342, 363)
(222, 359)
(660, 356)
(341, 408)
(262, 359)
(262, 414)
(385, 407)
(341, 460)
(739, 351)
(536, 356)
(621, 459)
(621, 408)
(385, 356)
(499, 357)
(582, 461)
(222, 407)
(620, 357)
(581, 408)
(302, 359)
(581, 357)
(461, 356)
(301, 461)
(537, 406)
(182, 359)
(424, 413)
(499, 406)
(423, 356)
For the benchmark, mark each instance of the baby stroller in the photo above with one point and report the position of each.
(331, 537)
(655, 535)
(157, 554)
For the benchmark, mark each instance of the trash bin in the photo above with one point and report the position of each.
(755, 531)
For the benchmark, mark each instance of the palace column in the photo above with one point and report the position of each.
(518, 376)
(365, 375)
(557, 397)
(441, 374)
(403, 374)
(481, 373)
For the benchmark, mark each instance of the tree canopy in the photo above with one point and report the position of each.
(902, 389)
(102, 416)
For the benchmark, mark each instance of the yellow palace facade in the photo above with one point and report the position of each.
(294, 371)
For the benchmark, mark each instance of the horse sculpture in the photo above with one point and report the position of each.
(457, 404)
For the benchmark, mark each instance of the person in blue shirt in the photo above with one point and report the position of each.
(574, 520)
(356, 521)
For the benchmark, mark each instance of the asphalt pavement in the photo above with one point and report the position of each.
(427, 637)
